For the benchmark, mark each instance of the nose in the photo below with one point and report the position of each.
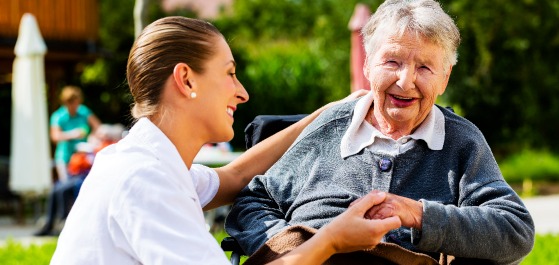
(241, 94)
(406, 78)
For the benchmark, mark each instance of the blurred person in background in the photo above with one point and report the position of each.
(69, 125)
(62, 196)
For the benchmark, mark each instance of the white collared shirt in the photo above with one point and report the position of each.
(361, 134)
(141, 205)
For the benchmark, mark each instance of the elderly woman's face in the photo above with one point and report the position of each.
(406, 75)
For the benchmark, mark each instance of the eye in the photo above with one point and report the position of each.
(391, 63)
(232, 74)
(425, 68)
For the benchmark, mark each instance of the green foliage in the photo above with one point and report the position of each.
(104, 81)
(544, 252)
(293, 56)
(506, 79)
(14, 253)
(530, 164)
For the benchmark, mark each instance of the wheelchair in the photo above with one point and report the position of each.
(259, 129)
(262, 127)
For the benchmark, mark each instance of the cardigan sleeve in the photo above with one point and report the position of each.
(489, 222)
(255, 216)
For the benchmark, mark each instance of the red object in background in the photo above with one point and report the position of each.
(80, 163)
(361, 14)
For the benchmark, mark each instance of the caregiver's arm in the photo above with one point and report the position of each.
(256, 160)
(344, 234)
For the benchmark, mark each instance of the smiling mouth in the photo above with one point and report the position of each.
(402, 102)
(402, 98)
(230, 111)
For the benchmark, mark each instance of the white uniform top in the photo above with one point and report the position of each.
(141, 205)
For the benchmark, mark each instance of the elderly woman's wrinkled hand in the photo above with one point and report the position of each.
(347, 231)
(409, 211)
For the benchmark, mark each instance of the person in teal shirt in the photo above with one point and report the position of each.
(69, 125)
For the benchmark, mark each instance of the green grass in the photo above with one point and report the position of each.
(14, 253)
(545, 251)
(530, 165)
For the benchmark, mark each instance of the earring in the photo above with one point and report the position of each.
(193, 95)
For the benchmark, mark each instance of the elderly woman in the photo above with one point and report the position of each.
(440, 175)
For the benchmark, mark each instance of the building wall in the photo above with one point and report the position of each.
(57, 19)
(204, 8)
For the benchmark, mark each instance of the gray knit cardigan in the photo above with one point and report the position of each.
(468, 208)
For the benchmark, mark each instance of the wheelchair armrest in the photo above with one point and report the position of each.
(230, 244)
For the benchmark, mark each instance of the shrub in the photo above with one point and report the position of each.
(530, 164)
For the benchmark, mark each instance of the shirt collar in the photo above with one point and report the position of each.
(153, 139)
(359, 135)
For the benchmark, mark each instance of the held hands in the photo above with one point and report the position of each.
(409, 211)
(351, 231)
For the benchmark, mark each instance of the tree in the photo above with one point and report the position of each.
(506, 79)
(293, 56)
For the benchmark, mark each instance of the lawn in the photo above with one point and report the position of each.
(13, 253)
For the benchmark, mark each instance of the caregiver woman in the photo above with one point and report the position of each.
(142, 202)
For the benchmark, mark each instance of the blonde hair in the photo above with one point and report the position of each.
(70, 94)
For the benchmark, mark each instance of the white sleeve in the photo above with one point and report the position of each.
(206, 182)
(157, 220)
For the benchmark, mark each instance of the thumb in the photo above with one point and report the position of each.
(388, 224)
(371, 199)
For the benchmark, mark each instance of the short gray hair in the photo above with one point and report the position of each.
(425, 18)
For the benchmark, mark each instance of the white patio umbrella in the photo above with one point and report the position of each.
(30, 166)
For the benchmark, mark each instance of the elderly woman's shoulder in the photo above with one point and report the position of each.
(459, 126)
(336, 112)
(331, 118)
(341, 110)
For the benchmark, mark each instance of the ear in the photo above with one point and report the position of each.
(366, 69)
(447, 77)
(182, 75)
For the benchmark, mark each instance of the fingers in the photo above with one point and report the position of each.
(356, 201)
(381, 212)
(363, 204)
(388, 224)
(359, 93)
